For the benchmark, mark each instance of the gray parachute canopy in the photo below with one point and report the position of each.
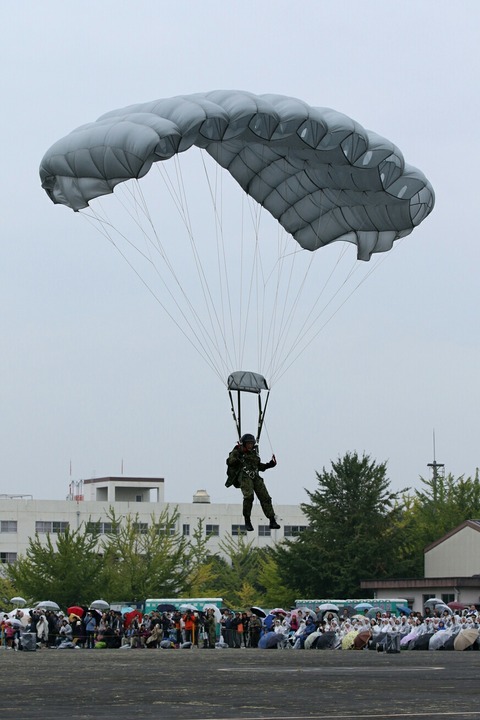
(319, 173)
(246, 381)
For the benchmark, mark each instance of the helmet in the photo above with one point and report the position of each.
(247, 439)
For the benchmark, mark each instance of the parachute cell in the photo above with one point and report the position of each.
(319, 173)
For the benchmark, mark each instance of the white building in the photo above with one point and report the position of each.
(91, 500)
(452, 571)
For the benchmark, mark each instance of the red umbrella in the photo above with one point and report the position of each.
(278, 611)
(457, 605)
(76, 610)
(128, 617)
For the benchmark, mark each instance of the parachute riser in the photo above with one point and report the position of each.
(237, 413)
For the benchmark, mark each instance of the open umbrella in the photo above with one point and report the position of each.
(326, 641)
(465, 639)
(404, 609)
(128, 617)
(258, 611)
(164, 607)
(361, 639)
(329, 606)
(373, 611)
(348, 640)
(363, 606)
(14, 622)
(18, 601)
(441, 607)
(311, 639)
(100, 605)
(305, 611)
(452, 605)
(187, 606)
(421, 642)
(216, 611)
(432, 602)
(48, 605)
(270, 640)
(76, 610)
(278, 611)
(127, 609)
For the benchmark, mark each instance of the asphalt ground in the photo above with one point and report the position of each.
(238, 683)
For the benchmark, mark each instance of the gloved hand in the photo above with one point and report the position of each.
(272, 462)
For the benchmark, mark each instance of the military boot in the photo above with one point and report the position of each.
(273, 524)
(248, 523)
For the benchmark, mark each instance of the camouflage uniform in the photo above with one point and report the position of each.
(242, 472)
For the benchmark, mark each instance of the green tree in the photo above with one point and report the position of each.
(352, 533)
(274, 593)
(236, 573)
(144, 559)
(198, 564)
(67, 571)
(441, 505)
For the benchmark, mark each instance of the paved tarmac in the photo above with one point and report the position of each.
(236, 684)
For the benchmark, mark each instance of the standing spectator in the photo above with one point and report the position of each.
(210, 626)
(90, 629)
(255, 629)
(188, 626)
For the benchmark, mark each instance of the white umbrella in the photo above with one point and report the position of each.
(187, 606)
(14, 622)
(100, 605)
(216, 611)
(48, 605)
(18, 601)
(433, 601)
(329, 606)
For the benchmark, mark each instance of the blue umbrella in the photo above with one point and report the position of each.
(404, 609)
(269, 640)
(363, 606)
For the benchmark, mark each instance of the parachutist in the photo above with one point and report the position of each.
(243, 467)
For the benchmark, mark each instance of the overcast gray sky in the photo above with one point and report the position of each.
(93, 373)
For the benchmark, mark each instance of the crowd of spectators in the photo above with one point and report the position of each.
(211, 628)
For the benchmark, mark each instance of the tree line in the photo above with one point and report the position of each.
(356, 528)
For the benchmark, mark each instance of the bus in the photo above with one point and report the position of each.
(393, 605)
(151, 604)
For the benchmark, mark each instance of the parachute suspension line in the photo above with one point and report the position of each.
(289, 317)
(237, 417)
(180, 202)
(100, 227)
(215, 323)
(200, 330)
(223, 276)
(307, 326)
(247, 304)
(261, 413)
(365, 277)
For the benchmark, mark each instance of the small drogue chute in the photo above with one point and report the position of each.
(246, 381)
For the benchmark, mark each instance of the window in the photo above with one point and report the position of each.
(8, 526)
(140, 527)
(264, 531)
(186, 530)
(293, 530)
(138, 498)
(238, 530)
(51, 526)
(165, 529)
(103, 528)
(8, 557)
(448, 597)
(212, 530)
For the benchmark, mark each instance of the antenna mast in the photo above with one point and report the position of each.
(438, 469)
